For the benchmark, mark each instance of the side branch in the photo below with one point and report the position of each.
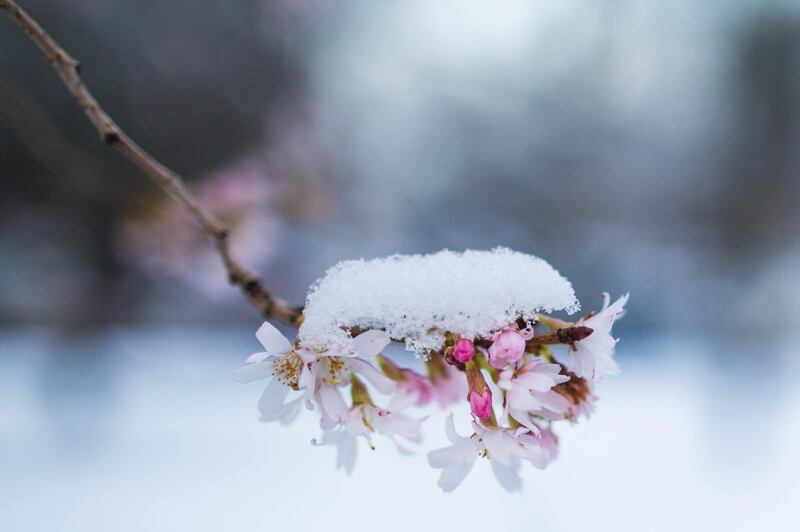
(566, 335)
(110, 133)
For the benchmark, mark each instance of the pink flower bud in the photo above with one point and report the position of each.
(507, 348)
(464, 350)
(481, 403)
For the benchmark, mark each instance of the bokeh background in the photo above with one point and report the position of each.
(648, 147)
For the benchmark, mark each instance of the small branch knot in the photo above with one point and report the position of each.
(110, 137)
(571, 335)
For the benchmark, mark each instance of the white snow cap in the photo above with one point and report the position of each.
(419, 297)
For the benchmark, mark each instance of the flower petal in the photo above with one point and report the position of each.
(507, 475)
(381, 382)
(400, 425)
(272, 339)
(255, 358)
(253, 372)
(524, 419)
(466, 452)
(500, 446)
(450, 431)
(539, 382)
(332, 403)
(271, 402)
(452, 476)
(553, 401)
(370, 343)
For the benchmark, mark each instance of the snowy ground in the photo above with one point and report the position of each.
(144, 430)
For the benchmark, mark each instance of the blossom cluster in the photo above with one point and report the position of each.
(516, 387)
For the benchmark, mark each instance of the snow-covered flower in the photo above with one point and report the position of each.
(336, 369)
(504, 447)
(463, 350)
(488, 357)
(592, 357)
(507, 347)
(529, 389)
(306, 370)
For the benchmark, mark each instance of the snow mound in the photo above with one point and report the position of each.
(418, 297)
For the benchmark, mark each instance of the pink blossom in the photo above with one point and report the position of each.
(288, 370)
(507, 348)
(529, 389)
(547, 440)
(481, 403)
(463, 350)
(342, 425)
(505, 448)
(592, 357)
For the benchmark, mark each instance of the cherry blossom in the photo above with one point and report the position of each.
(529, 389)
(307, 371)
(357, 392)
(502, 446)
(288, 368)
(342, 425)
(592, 357)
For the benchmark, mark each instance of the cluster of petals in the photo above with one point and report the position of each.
(516, 389)
(505, 448)
(592, 357)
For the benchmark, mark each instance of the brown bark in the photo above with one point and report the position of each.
(110, 133)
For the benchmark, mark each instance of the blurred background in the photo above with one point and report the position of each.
(637, 146)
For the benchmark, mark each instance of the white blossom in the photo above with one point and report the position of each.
(593, 357)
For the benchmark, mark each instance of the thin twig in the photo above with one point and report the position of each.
(110, 133)
(566, 335)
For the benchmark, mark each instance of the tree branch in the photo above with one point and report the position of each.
(110, 133)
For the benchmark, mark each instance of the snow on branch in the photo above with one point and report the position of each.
(417, 298)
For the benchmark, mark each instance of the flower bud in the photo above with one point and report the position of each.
(463, 350)
(480, 396)
(507, 348)
(481, 403)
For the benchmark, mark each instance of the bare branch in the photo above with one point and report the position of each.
(110, 133)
